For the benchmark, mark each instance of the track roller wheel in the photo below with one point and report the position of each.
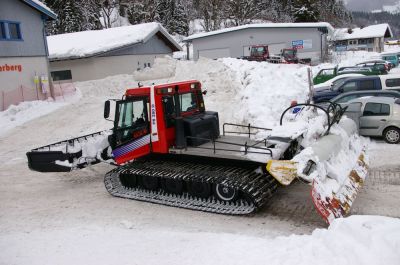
(199, 189)
(225, 193)
(173, 186)
(128, 180)
(150, 183)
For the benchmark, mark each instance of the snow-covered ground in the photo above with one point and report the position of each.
(16, 115)
(68, 218)
(357, 239)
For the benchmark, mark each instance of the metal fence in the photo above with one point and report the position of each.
(22, 93)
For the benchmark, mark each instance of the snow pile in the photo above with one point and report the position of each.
(109, 87)
(354, 240)
(16, 115)
(162, 68)
(351, 58)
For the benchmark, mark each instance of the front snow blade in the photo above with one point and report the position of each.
(45, 161)
(337, 204)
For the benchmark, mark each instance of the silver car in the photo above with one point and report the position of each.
(345, 98)
(376, 116)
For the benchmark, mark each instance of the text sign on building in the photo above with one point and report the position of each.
(302, 44)
(10, 68)
(298, 44)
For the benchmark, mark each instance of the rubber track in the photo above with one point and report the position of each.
(257, 187)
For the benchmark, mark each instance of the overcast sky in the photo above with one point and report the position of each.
(368, 5)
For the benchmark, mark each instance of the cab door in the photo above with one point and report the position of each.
(131, 134)
(374, 118)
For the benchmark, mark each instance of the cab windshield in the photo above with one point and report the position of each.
(257, 51)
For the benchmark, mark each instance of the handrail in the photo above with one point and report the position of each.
(249, 127)
(246, 147)
(70, 141)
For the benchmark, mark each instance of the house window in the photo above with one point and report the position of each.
(61, 75)
(14, 31)
(10, 30)
(2, 31)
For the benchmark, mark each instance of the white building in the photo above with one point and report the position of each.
(96, 54)
(371, 38)
(310, 40)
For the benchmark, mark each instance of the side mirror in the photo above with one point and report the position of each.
(204, 92)
(106, 109)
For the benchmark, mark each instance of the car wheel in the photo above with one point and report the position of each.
(392, 135)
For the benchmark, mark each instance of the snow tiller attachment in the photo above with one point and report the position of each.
(169, 150)
(332, 161)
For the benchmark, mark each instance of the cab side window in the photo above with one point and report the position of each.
(169, 110)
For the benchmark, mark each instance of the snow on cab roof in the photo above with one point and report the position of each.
(374, 31)
(94, 42)
(41, 7)
(263, 25)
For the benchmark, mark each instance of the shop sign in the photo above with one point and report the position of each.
(11, 68)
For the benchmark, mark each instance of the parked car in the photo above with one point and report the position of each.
(358, 69)
(385, 82)
(334, 80)
(347, 85)
(329, 73)
(376, 116)
(392, 58)
(376, 65)
(343, 99)
(391, 81)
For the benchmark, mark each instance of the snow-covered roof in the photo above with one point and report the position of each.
(95, 42)
(263, 25)
(41, 7)
(374, 31)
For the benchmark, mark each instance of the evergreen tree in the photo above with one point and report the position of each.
(179, 23)
(240, 12)
(304, 11)
(69, 17)
(175, 15)
(90, 14)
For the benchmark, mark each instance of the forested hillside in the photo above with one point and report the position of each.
(175, 15)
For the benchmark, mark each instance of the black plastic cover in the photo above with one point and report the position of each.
(201, 128)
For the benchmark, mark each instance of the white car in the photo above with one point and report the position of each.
(338, 77)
